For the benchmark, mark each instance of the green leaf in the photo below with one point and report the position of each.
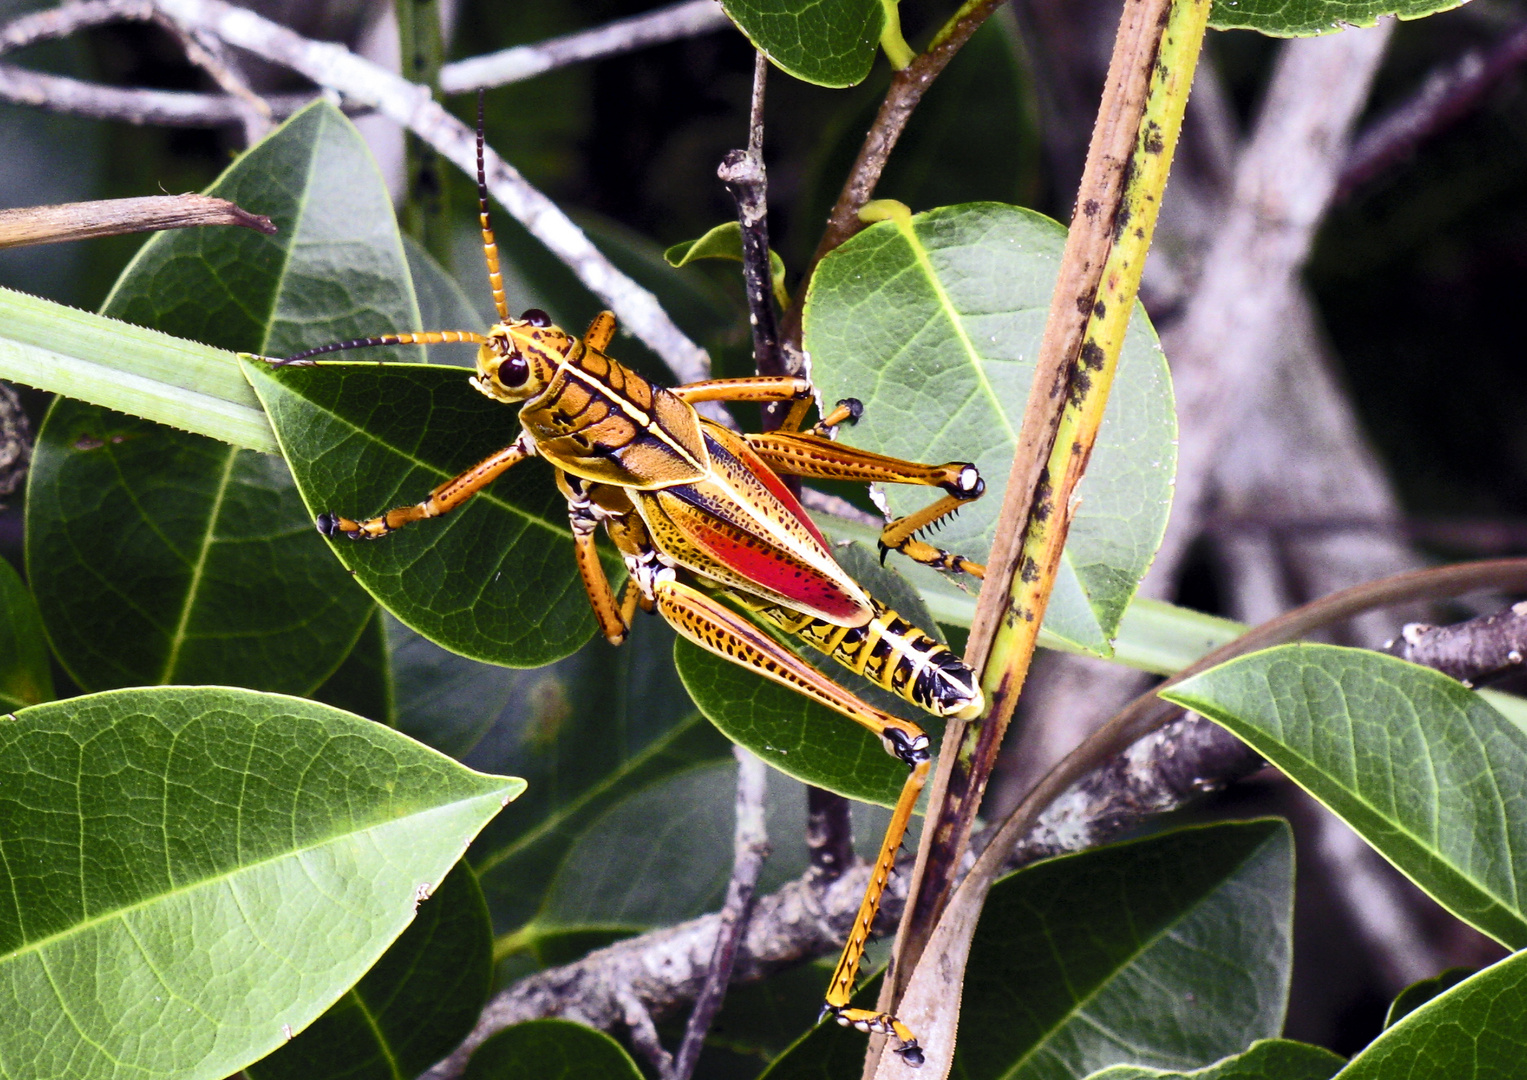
(1420, 992)
(827, 42)
(1475, 1031)
(587, 733)
(934, 323)
(661, 853)
(443, 305)
(412, 1008)
(131, 369)
(363, 683)
(494, 581)
(1268, 1059)
(195, 873)
(797, 736)
(551, 1050)
(1423, 769)
(725, 242)
(160, 557)
(1173, 952)
(25, 677)
(1306, 18)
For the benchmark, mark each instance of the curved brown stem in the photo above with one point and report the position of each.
(907, 88)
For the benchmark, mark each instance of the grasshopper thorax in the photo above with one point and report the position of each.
(520, 357)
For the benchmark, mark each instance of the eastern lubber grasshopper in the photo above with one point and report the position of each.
(698, 511)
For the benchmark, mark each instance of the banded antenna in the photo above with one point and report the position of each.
(432, 337)
(489, 245)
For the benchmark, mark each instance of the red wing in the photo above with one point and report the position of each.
(734, 528)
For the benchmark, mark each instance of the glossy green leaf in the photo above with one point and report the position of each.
(1420, 992)
(551, 1050)
(725, 242)
(161, 557)
(412, 1008)
(494, 581)
(1173, 952)
(660, 854)
(1306, 18)
(1475, 1031)
(25, 677)
(827, 42)
(193, 874)
(797, 736)
(934, 325)
(1423, 769)
(1269, 1059)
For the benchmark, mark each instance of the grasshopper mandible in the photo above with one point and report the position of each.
(697, 510)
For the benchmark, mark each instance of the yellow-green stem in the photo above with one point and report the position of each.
(896, 49)
(1168, 75)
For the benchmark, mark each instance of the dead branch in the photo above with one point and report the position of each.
(1472, 652)
(114, 217)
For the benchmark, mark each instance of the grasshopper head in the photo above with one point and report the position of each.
(521, 357)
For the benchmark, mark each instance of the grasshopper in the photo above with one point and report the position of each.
(698, 511)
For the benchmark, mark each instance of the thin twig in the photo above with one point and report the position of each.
(1445, 97)
(689, 19)
(336, 68)
(829, 834)
(1121, 183)
(160, 108)
(1473, 652)
(907, 89)
(750, 847)
(743, 173)
(114, 217)
(70, 18)
(208, 53)
(643, 1032)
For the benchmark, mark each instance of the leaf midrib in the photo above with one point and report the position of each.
(138, 905)
(1150, 943)
(1251, 735)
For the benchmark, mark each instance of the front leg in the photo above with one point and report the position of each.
(442, 500)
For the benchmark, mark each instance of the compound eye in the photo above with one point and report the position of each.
(513, 371)
(537, 318)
